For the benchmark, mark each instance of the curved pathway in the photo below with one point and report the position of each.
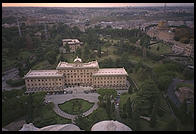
(59, 99)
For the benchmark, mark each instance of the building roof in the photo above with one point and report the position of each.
(56, 127)
(42, 73)
(111, 71)
(71, 40)
(61, 127)
(62, 65)
(29, 127)
(110, 125)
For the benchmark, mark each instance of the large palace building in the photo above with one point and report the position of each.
(75, 74)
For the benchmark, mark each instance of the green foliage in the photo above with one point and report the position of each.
(51, 57)
(185, 85)
(130, 90)
(108, 92)
(188, 74)
(149, 89)
(76, 106)
(128, 108)
(108, 106)
(12, 106)
(86, 123)
(15, 83)
(163, 82)
(183, 34)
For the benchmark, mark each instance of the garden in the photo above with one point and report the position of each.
(76, 106)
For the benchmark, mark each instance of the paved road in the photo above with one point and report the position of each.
(171, 90)
(59, 99)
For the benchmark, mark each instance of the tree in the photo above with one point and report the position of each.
(99, 51)
(130, 90)
(128, 108)
(108, 106)
(144, 42)
(82, 122)
(66, 46)
(29, 118)
(78, 52)
(51, 57)
(154, 112)
(163, 82)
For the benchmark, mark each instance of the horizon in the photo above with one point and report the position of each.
(96, 5)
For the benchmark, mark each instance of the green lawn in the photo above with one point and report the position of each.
(163, 49)
(191, 86)
(76, 106)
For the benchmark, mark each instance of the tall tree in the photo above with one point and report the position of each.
(128, 108)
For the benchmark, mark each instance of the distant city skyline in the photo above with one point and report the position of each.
(92, 4)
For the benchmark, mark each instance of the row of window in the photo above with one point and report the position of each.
(77, 76)
(78, 80)
(34, 80)
(43, 84)
(76, 71)
(108, 78)
(109, 85)
(108, 82)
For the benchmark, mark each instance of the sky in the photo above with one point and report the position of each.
(91, 4)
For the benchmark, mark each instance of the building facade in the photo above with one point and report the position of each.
(75, 74)
(73, 44)
(187, 50)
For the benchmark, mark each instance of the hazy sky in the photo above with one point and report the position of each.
(93, 4)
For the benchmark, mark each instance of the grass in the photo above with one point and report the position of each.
(191, 86)
(163, 49)
(76, 106)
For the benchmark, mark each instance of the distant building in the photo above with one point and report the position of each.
(75, 74)
(185, 49)
(185, 93)
(73, 44)
(163, 25)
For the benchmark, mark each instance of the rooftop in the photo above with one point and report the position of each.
(71, 40)
(42, 73)
(110, 126)
(111, 71)
(92, 64)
